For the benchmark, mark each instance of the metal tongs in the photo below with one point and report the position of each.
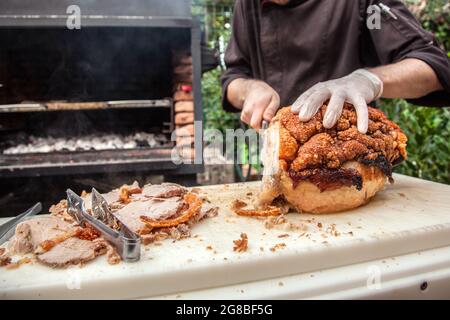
(126, 242)
(8, 229)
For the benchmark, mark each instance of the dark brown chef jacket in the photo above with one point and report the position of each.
(295, 46)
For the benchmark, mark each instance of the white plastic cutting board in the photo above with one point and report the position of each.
(409, 216)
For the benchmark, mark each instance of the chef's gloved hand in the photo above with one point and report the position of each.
(261, 102)
(358, 88)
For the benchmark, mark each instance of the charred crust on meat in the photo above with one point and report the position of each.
(327, 179)
(397, 161)
(381, 162)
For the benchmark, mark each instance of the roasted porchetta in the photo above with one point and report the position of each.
(155, 212)
(321, 170)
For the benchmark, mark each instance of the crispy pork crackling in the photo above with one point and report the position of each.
(321, 170)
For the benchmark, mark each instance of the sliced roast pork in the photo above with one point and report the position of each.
(30, 234)
(161, 202)
(73, 251)
(55, 242)
(158, 209)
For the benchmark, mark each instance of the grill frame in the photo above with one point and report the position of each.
(137, 13)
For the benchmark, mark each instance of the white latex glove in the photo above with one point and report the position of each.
(358, 88)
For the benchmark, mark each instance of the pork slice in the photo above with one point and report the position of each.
(164, 190)
(31, 233)
(72, 251)
(158, 209)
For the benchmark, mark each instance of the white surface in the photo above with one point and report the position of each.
(410, 216)
(391, 278)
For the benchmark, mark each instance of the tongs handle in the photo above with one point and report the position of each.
(129, 249)
(7, 229)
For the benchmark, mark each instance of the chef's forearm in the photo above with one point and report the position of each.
(409, 79)
(237, 91)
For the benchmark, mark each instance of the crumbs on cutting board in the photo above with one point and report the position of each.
(278, 246)
(271, 222)
(331, 230)
(281, 223)
(241, 245)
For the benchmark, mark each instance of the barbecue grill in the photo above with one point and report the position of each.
(118, 75)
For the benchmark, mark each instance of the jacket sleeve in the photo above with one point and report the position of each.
(236, 55)
(403, 37)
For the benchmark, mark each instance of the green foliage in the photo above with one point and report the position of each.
(428, 131)
(435, 17)
(215, 117)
